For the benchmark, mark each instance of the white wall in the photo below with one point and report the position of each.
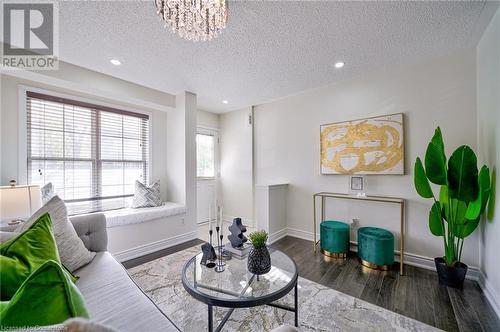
(134, 240)
(207, 119)
(236, 145)
(181, 155)
(112, 86)
(488, 123)
(437, 92)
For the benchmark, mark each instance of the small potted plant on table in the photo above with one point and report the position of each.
(456, 212)
(259, 260)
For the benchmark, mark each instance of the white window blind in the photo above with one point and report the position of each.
(92, 154)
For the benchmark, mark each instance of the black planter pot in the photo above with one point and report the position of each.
(452, 276)
(259, 261)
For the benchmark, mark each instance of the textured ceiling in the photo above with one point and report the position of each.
(269, 50)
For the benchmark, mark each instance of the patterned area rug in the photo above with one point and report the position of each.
(320, 308)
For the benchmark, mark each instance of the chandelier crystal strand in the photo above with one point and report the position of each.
(197, 20)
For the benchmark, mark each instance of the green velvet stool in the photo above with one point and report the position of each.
(334, 238)
(376, 247)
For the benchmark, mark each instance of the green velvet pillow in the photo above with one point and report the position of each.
(47, 297)
(22, 255)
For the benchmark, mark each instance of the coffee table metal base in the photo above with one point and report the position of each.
(294, 309)
(212, 288)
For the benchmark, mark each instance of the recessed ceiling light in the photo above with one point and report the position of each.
(339, 64)
(116, 62)
(225, 102)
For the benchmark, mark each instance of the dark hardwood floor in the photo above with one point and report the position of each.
(417, 294)
(157, 254)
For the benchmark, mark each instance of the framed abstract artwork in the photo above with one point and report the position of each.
(367, 146)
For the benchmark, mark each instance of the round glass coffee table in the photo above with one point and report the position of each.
(235, 287)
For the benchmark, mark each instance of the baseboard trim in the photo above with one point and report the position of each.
(149, 248)
(489, 292)
(473, 272)
(300, 234)
(277, 236)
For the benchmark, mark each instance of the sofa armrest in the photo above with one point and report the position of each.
(91, 228)
(4, 227)
(5, 236)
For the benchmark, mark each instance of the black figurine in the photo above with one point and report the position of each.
(208, 253)
(237, 238)
(219, 266)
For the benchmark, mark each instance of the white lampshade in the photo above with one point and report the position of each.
(19, 202)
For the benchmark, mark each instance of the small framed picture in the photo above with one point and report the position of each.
(357, 183)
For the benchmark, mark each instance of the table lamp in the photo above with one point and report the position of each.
(18, 203)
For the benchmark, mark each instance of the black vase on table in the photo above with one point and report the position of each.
(259, 261)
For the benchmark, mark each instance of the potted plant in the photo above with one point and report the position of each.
(259, 260)
(456, 212)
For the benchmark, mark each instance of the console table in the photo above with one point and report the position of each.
(381, 199)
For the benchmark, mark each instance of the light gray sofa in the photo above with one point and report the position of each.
(112, 297)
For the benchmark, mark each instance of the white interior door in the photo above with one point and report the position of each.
(206, 194)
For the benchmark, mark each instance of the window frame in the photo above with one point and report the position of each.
(22, 176)
(215, 133)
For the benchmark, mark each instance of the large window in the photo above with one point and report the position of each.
(205, 154)
(92, 154)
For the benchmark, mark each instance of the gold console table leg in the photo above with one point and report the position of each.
(314, 222)
(402, 240)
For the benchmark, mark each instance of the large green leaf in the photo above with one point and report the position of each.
(462, 231)
(457, 212)
(444, 201)
(435, 159)
(450, 254)
(462, 175)
(493, 193)
(453, 210)
(474, 208)
(421, 183)
(435, 220)
(477, 207)
(484, 186)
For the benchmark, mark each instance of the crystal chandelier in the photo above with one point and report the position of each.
(197, 20)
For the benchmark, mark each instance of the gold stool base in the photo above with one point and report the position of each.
(342, 255)
(374, 266)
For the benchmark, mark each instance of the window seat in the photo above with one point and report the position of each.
(128, 216)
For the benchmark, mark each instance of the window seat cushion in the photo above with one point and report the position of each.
(128, 216)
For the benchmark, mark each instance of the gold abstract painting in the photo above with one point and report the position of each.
(368, 146)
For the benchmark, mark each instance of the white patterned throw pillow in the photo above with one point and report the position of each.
(47, 192)
(145, 196)
(72, 251)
